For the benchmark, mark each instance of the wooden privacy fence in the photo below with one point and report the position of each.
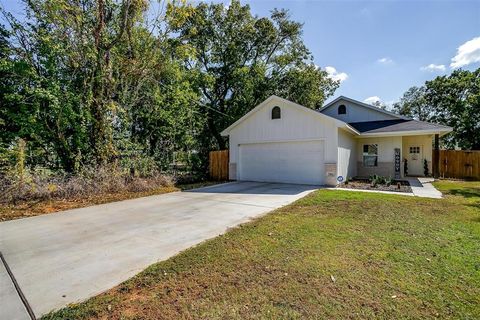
(460, 164)
(218, 165)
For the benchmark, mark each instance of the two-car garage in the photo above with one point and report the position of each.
(288, 162)
(283, 142)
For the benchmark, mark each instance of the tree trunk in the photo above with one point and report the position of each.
(214, 131)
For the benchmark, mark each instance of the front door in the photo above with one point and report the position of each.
(415, 160)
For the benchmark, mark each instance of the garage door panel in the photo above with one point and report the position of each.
(288, 162)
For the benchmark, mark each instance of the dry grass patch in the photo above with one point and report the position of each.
(46, 205)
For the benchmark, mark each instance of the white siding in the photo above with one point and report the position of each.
(356, 113)
(386, 155)
(386, 146)
(295, 125)
(347, 151)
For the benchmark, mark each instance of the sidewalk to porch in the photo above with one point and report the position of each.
(422, 187)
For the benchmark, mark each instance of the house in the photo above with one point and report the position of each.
(281, 141)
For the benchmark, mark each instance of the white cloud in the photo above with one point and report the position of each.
(335, 75)
(467, 53)
(372, 100)
(433, 67)
(385, 60)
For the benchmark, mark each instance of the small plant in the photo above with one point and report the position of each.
(346, 180)
(425, 168)
(388, 181)
(381, 180)
(374, 180)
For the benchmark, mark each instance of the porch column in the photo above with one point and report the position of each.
(436, 157)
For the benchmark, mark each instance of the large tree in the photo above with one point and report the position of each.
(414, 104)
(453, 100)
(239, 59)
(68, 91)
(85, 82)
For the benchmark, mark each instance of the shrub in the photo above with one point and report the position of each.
(380, 180)
(425, 167)
(41, 184)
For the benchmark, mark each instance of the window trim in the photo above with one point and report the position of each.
(274, 115)
(342, 109)
(368, 154)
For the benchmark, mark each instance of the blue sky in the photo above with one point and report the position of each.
(381, 48)
(382, 45)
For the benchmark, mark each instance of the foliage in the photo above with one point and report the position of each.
(380, 180)
(413, 104)
(42, 184)
(456, 103)
(94, 82)
(452, 100)
(379, 104)
(425, 168)
(239, 59)
(389, 181)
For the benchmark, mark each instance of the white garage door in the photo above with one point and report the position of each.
(288, 162)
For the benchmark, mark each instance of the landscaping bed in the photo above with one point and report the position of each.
(366, 184)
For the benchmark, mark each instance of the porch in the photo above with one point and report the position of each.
(396, 156)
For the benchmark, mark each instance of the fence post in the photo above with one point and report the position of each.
(436, 157)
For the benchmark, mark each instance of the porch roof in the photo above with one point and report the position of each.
(397, 126)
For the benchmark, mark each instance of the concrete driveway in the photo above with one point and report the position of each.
(69, 256)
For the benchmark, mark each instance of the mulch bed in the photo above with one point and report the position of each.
(366, 185)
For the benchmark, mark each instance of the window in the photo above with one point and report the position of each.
(342, 109)
(414, 149)
(276, 113)
(370, 155)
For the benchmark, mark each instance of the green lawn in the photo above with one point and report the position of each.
(332, 255)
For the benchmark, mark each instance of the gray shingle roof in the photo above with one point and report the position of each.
(396, 126)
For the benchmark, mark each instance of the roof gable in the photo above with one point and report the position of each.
(287, 103)
(358, 111)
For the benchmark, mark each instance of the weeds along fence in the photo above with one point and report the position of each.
(460, 164)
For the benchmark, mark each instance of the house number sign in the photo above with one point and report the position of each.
(397, 163)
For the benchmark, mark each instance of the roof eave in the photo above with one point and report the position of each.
(440, 132)
(350, 128)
